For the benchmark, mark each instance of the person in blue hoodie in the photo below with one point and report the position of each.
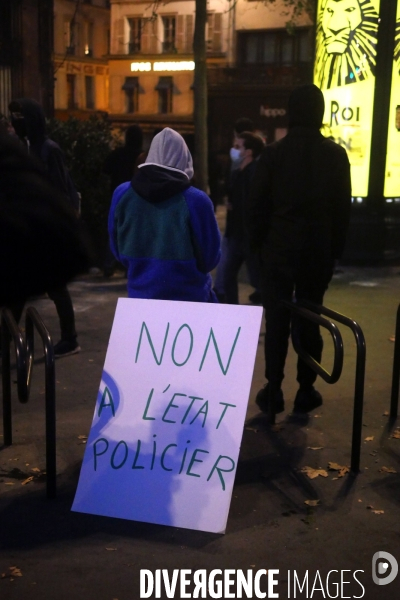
(162, 229)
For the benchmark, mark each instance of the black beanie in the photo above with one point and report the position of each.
(306, 106)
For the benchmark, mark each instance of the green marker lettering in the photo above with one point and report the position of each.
(203, 410)
(114, 466)
(193, 460)
(190, 347)
(163, 456)
(220, 470)
(95, 453)
(171, 405)
(103, 403)
(212, 337)
(224, 411)
(158, 360)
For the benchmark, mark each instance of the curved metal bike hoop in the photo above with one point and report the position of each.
(24, 352)
(334, 376)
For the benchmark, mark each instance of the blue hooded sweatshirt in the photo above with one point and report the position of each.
(162, 229)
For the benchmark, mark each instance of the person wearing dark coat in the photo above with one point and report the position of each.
(236, 240)
(42, 245)
(297, 218)
(28, 120)
(120, 165)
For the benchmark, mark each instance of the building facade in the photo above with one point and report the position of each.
(26, 41)
(151, 61)
(81, 48)
(253, 64)
(267, 62)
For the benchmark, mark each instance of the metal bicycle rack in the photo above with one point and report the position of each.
(313, 312)
(24, 353)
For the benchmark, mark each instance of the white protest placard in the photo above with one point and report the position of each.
(169, 416)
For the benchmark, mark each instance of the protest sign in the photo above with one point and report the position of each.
(169, 415)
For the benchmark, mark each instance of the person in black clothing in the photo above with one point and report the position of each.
(238, 250)
(41, 243)
(28, 120)
(298, 216)
(120, 165)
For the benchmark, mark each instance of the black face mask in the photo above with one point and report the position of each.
(19, 125)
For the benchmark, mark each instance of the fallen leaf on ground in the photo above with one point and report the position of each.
(392, 338)
(387, 470)
(110, 548)
(277, 427)
(27, 480)
(359, 500)
(386, 413)
(317, 416)
(12, 572)
(311, 502)
(369, 438)
(9, 483)
(82, 437)
(378, 512)
(35, 470)
(332, 466)
(252, 429)
(396, 435)
(314, 447)
(313, 473)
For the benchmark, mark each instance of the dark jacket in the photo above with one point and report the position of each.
(120, 164)
(43, 148)
(41, 243)
(238, 193)
(299, 205)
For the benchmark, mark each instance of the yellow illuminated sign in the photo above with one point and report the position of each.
(392, 172)
(164, 65)
(345, 71)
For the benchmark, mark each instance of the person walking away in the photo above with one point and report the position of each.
(120, 166)
(298, 216)
(28, 120)
(162, 229)
(237, 242)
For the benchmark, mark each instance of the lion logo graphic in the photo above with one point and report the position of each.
(346, 42)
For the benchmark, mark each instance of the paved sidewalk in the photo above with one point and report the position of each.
(70, 556)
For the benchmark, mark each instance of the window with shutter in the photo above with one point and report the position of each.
(217, 33)
(169, 34)
(189, 33)
(118, 39)
(135, 33)
(90, 91)
(180, 33)
(88, 38)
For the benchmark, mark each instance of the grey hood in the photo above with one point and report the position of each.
(169, 151)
